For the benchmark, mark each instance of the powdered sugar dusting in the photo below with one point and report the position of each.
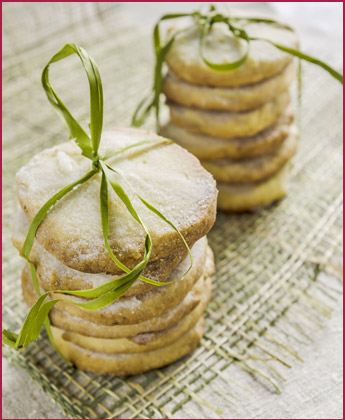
(66, 163)
(166, 175)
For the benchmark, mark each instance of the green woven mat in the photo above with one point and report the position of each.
(278, 271)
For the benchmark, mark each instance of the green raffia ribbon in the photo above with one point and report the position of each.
(107, 293)
(205, 22)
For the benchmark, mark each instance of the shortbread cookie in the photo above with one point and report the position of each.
(205, 147)
(240, 98)
(227, 124)
(140, 343)
(148, 305)
(165, 175)
(61, 319)
(54, 275)
(255, 169)
(128, 363)
(263, 61)
(146, 340)
(246, 197)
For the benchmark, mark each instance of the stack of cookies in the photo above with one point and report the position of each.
(149, 326)
(238, 123)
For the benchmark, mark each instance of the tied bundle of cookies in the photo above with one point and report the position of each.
(113, 227)
(228, 92)
(237, 123)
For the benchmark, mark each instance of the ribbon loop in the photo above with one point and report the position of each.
(89, 146)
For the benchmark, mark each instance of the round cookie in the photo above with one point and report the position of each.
(228, 99)
(54, 275)
(226, 124)
(151, 304)
(263, 61)
(246, 197)
(145, 341)
(148, 305)
(131, 363)
(255, 169)
(208, 148)
(63, 320)
(164, 174)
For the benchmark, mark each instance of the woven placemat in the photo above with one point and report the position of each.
(278, 271)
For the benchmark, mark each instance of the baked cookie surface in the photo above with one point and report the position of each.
(254, 169)
(146, 341)
(264, 60)
(206, 147)
(228, 99)
(139, 308)
(227, 124)
(128, 363)
(61, 319)
(164, 174)
(53, 275)
(247, 197)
